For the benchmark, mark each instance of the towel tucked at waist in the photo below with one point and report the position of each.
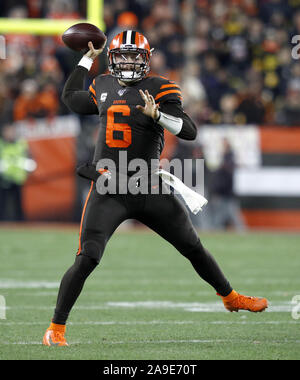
(194, 201)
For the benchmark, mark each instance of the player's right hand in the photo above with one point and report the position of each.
(93, 53)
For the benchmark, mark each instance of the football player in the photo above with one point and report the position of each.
(134, 109)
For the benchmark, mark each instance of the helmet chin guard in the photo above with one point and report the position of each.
(129, 43)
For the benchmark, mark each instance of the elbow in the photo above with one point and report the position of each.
(188, 137)
(194, 131)
(189, 129)
(193, 135)
(189, 134)
(64, 98)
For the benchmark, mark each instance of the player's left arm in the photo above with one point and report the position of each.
(173, 108)
(170, 115)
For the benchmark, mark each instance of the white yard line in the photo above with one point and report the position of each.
(105, 323)
(210, 307)
(171, 341)
(135, 323)
(39, 292)
(13, 284)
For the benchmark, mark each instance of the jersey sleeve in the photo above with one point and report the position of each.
(169, 97)
(75, 97)
(167, 91)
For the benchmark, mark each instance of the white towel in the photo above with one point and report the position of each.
(194, 201)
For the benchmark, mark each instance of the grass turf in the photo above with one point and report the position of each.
(145, 302)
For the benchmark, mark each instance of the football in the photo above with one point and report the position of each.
(78, 36)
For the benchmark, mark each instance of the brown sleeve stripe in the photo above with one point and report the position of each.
(168, 85)
(161, 94)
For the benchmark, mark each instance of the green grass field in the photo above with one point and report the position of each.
(145, 301)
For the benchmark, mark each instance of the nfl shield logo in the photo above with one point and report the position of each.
(122, 92)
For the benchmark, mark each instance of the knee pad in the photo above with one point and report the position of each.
(93, 250)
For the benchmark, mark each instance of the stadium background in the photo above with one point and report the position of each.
(233, 62)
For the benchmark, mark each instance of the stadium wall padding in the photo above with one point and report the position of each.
(267, 178)
(50, 191)
(280, 148)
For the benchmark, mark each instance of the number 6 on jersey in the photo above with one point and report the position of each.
(112, 126)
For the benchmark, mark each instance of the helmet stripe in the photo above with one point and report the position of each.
(133, 37)
(128, 37)
(124, 37)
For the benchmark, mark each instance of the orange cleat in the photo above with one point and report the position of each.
(54, 336)
(235, 302)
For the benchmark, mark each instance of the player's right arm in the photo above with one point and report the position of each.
(74, 96)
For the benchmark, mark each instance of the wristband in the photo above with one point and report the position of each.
(86, 62)
(171, 123)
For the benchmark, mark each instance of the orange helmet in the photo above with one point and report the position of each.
(129, 56)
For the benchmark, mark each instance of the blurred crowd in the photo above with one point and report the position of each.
(232, 59)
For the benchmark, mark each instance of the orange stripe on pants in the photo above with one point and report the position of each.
(82, 217)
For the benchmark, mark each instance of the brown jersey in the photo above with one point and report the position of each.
(122, 126)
